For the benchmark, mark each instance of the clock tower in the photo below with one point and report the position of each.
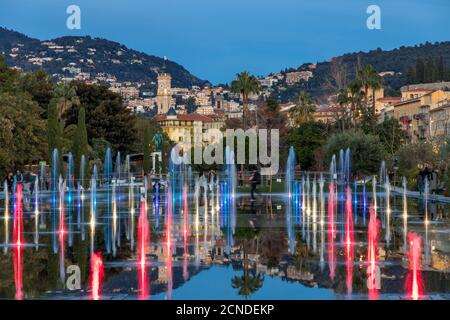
(164, 92)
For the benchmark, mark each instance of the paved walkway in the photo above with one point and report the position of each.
(418, 195)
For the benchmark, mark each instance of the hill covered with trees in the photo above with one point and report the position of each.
(396, 66)
(58, 57)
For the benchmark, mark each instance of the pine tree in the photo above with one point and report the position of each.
(430, 71)
(440, 66)
(412, 75)
(54, 132)
(80, 143)
(420, 70)
(146, 147)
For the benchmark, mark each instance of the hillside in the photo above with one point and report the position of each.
(61, 56)
(397, 61)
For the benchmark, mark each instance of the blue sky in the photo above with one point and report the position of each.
(214, 39)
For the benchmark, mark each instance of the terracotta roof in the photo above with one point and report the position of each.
(186, 117)
(446, 106)
(406, 102)
(387, 99)
(418, 90)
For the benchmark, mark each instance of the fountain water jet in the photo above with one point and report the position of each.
(372, 255)
(349, 240)
(331, 230)
(405, 212)
(6, 217)
(96, 275)
(18, 242)
(143, 241)
(414, 281)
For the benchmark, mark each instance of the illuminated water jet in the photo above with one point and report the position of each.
(373, 270)
(18, 242)
(143, 242)
(349, 240)
(331, 230)
(96, 275)
(414, 281)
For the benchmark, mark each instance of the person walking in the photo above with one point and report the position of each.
(19, 177)
(10, 181)
(255, 180)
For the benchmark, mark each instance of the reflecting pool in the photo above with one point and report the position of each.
(200, 241)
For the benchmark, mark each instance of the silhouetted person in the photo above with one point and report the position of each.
(19, 177)
(255, 180)
(10, 181)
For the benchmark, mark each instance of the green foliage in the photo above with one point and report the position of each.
(412, 157)
(245, 84)
(54, 132)
(429, 70)
(146, 149)
(367, 151)
(22, 131)
(80, 143)
(106, 117)
(391, 135)
(38, 85)
(307, 139)
(304, 107)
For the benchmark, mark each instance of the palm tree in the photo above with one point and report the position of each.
(343, 100)
(247, 284)
(303, 109)
(355, 95)
(66, 96)
(245, 84)
(369, 78)
(375, 84)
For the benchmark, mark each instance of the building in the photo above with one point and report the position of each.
(294, 77)
(176, 125)
(164, 98)
(328, 114)
(440, 120)
(414, 113)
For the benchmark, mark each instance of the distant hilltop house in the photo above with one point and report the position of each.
(295, 77)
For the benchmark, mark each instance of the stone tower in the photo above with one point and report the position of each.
(164, 93)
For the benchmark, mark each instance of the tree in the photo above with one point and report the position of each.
(22, 131)
(391, 135)
(338, 75)
(430, 71)
(304, 107)
(420, 70)
(106, 117)
(355, 96)
(307, 139)
(369, 79)
(247, 284)
(367, 151)
(66, 96)
(245, 84)
(146, 149)
(38, 85)
(440, 68)
(54, 131)
(412, 157)
(80, 144)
